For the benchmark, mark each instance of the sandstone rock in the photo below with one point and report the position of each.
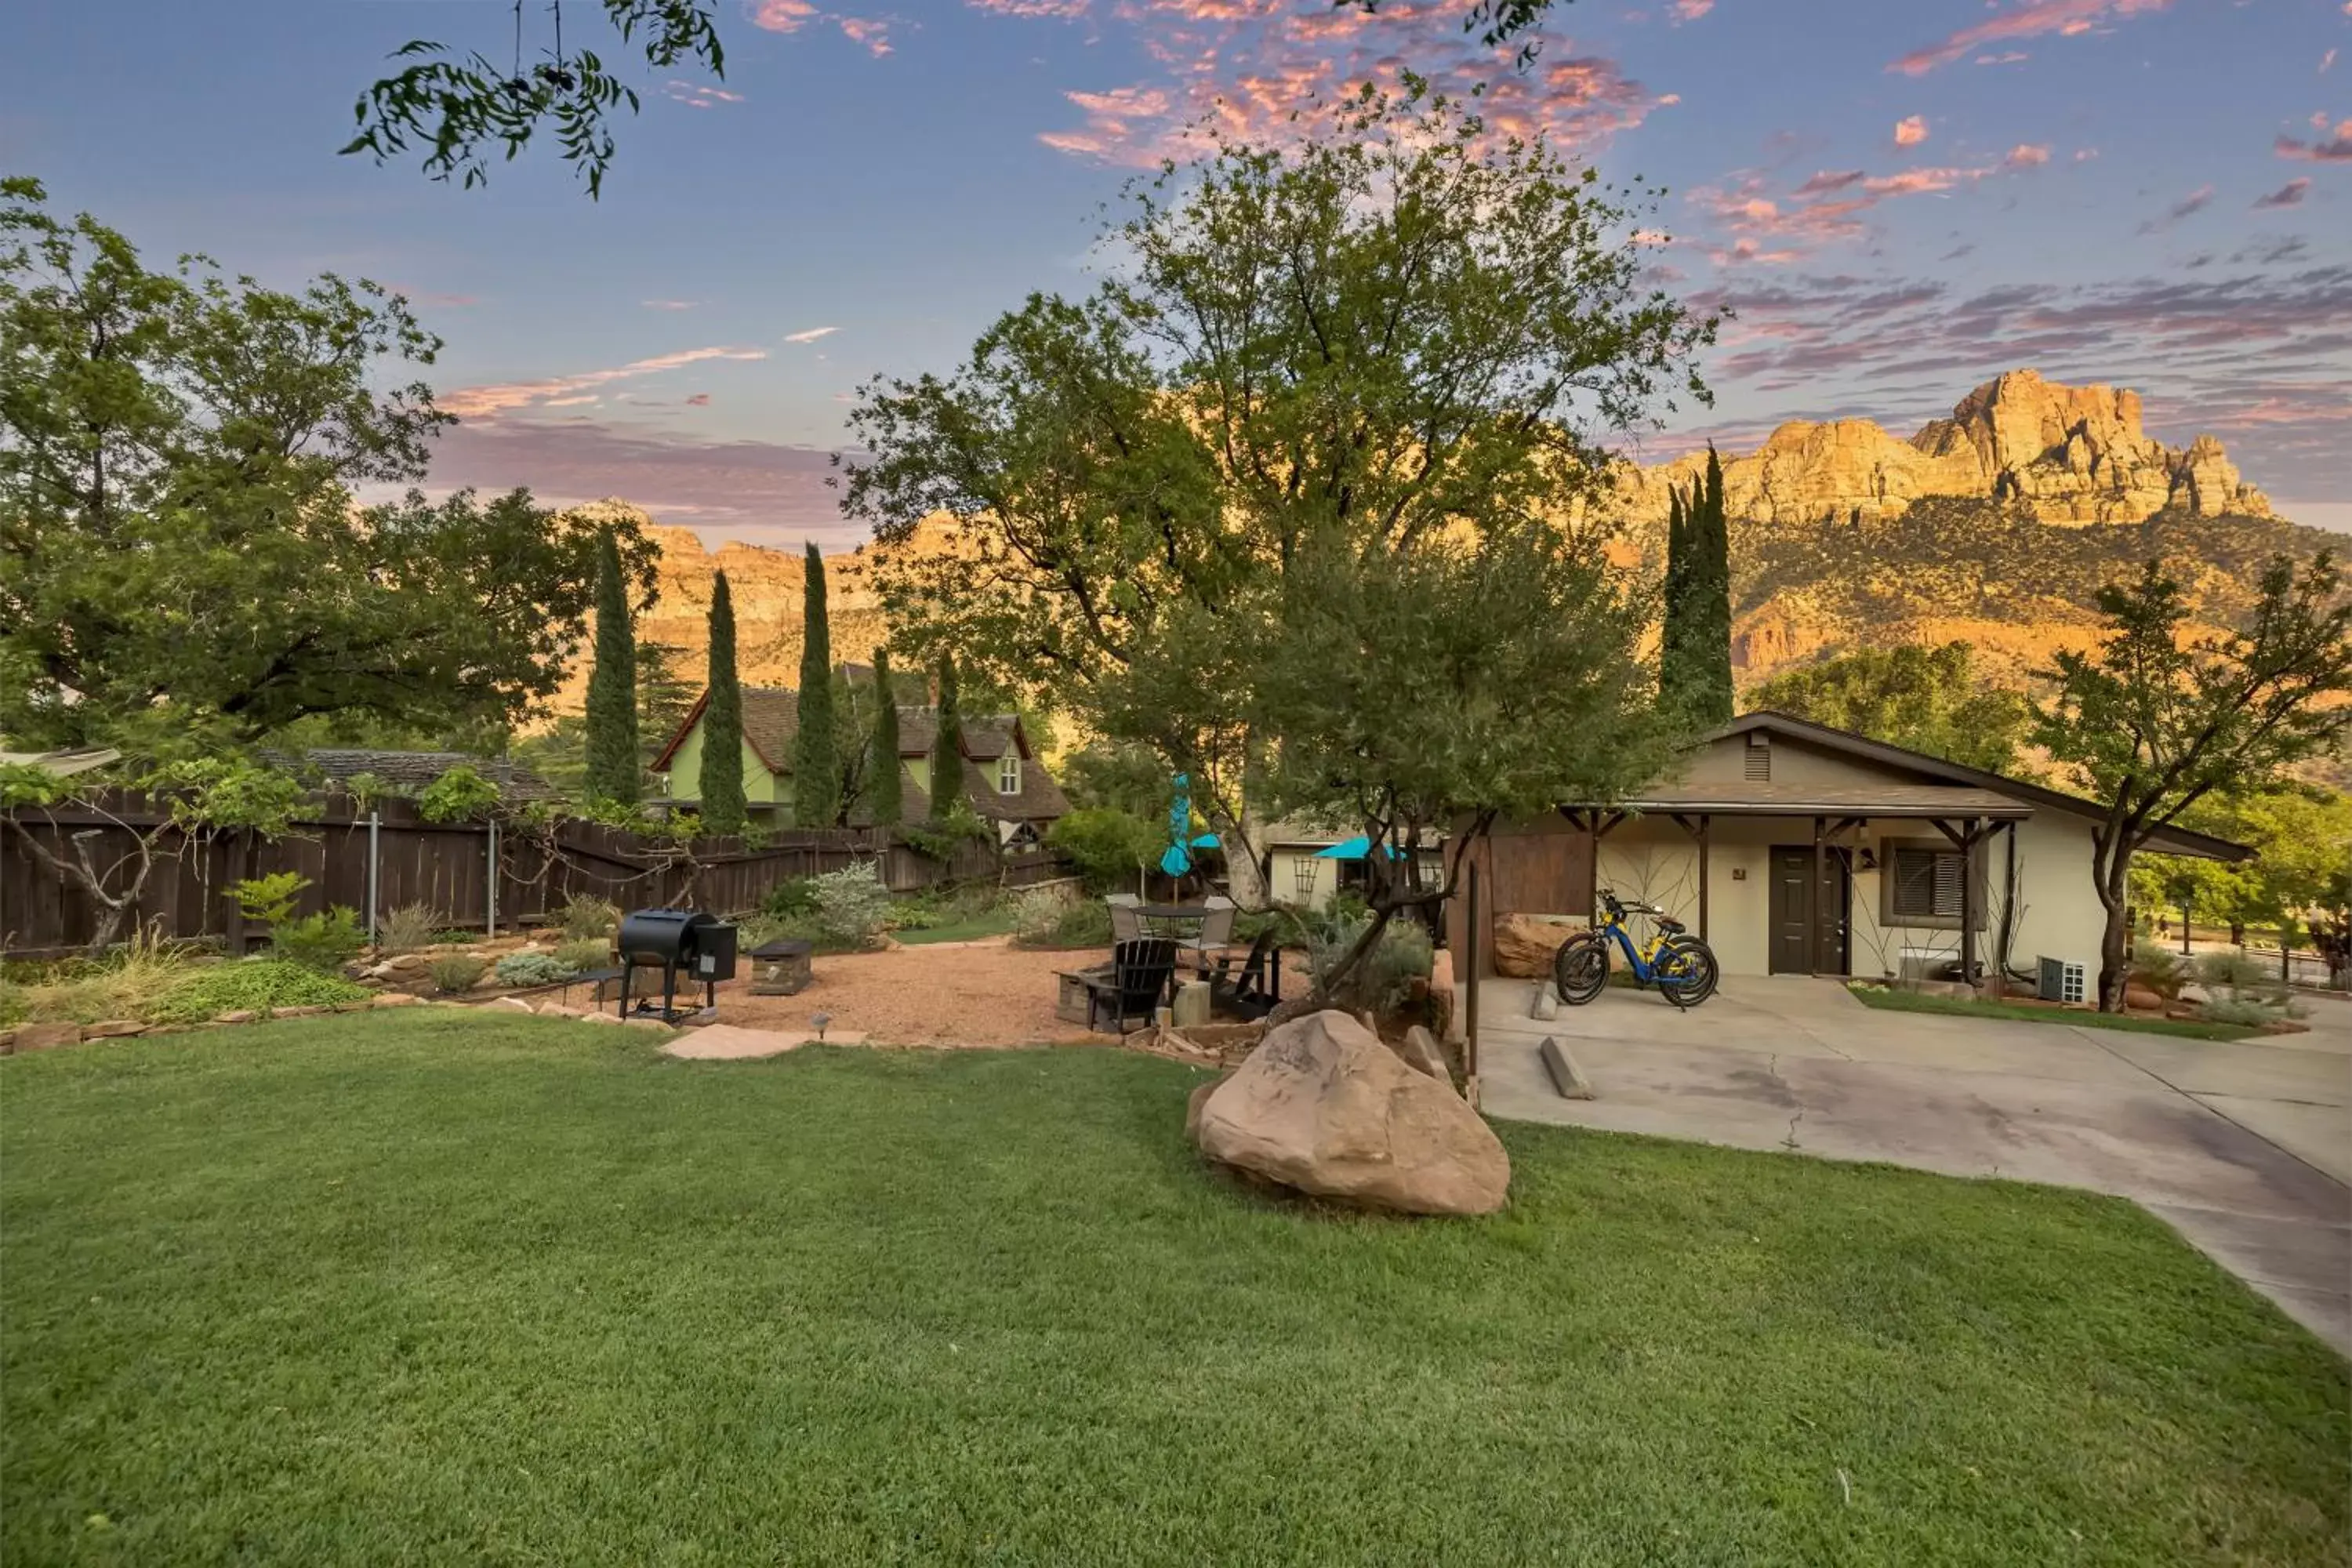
(1199, 1097)
(1445, 1015)
(556, 1010)
(113, 1030)
(45, 1037)
(8, 1041)
(395, 999)
(2068, 454)
(307, 1010)
(1323, 1107)
(598, 1018)
(514, 1005)
(1524, 944)
(237, 1015)
(1418, 1051)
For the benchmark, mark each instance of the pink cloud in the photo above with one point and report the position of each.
(2327, 61)
(561, 390)
(669, 304)
(873, 32)
(2025, 156)
(699, 400)
(2333, 144)
(1265, 70)
(1061, 10)
(2189, 205)
(2287, 195)
(697, 95)
(2008, 58)
(1828, 207)
(1910, 130)
(2027, 19)
(810, 335)
(783, 15)
(1691, 10)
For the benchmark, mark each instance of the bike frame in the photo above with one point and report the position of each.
(1634, 957)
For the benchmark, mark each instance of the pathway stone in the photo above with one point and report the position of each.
(732, 1042)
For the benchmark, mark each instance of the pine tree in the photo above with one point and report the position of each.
(721, 783)
(1709, 593)
(816, 767)
(947, 745)
(889, 804)
(613, 762)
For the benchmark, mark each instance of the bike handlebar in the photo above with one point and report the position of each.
(1610, 901)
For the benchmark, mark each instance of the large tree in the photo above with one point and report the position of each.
(1386, 358)
(182, 559)
(721, 783)
(615, 766)
(2157, 718)
(816, 757)
(1930, 699)
(947, 740)
(1694, 628)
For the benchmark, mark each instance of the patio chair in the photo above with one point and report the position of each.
(1215, 934)
(1126, 924)
(1255, 989)
(1140, 970)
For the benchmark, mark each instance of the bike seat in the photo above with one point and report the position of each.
(1671, 926)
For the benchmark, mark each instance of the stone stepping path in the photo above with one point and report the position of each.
(733, 1042)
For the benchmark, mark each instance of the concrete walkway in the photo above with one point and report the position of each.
(2246, 1149)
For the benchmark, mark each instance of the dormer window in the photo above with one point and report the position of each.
(1008, 773)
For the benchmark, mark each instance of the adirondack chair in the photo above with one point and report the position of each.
(1140, 970)
(1254, 989)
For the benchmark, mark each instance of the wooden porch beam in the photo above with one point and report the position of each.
(1813, 898)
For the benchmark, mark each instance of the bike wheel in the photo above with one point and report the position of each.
(1688, 971)
(1581, 969)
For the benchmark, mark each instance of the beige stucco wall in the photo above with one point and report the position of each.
(1653, 860)
(1288, 862)
(1793, 761)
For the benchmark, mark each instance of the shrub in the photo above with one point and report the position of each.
(1108, 847)
(949, 830)
(852, 903)
(269, 900)
(794, 899)
(408, 929)
(2158, 969)
(455, 974)
(1043, 920)
(125, 983)
(2246, 1013)
(533, 969)
(577, 957)
(256, 985)
(2239, 991)
(323, 941)
(923, 912)
(457, 795)
(1382, 981)
(585, 915)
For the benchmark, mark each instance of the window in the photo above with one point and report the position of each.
(1924, 884)
(1008, 773)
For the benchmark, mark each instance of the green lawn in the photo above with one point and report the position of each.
(972, 928)
(446, 1287)
(1961, 1007)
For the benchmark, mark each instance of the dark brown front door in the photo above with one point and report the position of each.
(1800, 945)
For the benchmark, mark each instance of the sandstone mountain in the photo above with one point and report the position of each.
(2063, 454)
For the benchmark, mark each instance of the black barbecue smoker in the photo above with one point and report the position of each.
(686, 942)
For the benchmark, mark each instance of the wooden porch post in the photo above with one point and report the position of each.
(1703, 822)
(1968, 901)
(1813, 898)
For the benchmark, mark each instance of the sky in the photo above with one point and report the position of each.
(1899, 198)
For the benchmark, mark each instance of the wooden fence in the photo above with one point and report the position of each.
(388, 852)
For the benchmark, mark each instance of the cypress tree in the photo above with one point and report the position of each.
(889, 804)
(721, 783)
(612, 764)
(947, 746)
(1673, 631)
(1710, 594)
(816, 769)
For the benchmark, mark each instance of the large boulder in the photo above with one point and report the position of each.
(1323, 1107)
(1524, 944)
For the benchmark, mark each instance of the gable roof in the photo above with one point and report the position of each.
(414, 770)
(1942, 770)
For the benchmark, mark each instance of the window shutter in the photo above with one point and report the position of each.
(1760, 763)
(1926, 884)
(1948, 886)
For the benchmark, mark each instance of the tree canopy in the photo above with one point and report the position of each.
(615, 766)
(1694, 640)
(1930, 699)
(1315, 456)
(2155, 719)
(182, 558)
(720, 785)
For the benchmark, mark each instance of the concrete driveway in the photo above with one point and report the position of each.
(2245, 1149)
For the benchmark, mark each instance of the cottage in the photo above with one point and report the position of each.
(410, 772)
(1794, 847)
(1005, 781)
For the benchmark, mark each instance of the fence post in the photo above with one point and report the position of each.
(375, 823)
(494, 879)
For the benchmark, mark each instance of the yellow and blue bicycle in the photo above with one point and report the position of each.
(1680, 965)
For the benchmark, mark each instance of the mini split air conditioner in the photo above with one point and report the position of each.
(2061, 981)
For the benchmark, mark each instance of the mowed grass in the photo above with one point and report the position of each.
(444, 1286)
(1896, 1001)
